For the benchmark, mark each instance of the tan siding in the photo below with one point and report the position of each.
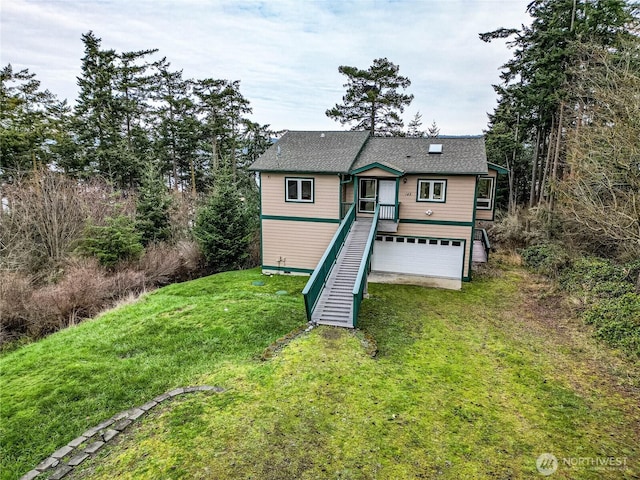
(457, 207)
(348, 193)
(488, 214)
(326, 196)
(298, 244)
(441, 231)
(376, 172)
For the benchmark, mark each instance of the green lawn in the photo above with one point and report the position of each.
(470, 384)
(53, 390)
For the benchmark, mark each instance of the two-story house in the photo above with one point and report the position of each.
(414, 201)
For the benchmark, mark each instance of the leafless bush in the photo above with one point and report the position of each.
(126, 281)
(191, 259)
(516, 230)
(15, 295)
(81, 293)
(160, 263)
(45, 216)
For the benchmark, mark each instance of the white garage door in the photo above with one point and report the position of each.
(418, 256)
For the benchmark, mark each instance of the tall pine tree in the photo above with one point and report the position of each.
(373, 100)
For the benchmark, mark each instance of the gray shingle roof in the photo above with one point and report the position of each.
(342, 152)
(460, 155)
(328, 152)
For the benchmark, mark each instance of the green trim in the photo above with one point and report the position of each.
(377, 165)
(340, 187)
(446, 174)
(343, 175)
(473, 228)
(303, 172)
(397, 216)
(261, 229)
(497, 168)
(355, 195)
(452, 223)
(300, 219)
(288, 269)
(443, 180)
(313, 189)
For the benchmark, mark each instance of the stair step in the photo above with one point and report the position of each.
(335, 304)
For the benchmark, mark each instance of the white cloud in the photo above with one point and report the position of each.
(286, 52)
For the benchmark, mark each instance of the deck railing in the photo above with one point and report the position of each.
(365, 267)
(344, 208)
(481, 234)
(314, 286)
(388, 212)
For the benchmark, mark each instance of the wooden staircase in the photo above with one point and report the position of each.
(479, 252)
(335, 306)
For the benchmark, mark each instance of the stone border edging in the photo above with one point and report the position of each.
(103, 433)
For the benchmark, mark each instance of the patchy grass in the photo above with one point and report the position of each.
(470, 384)
(53, 390)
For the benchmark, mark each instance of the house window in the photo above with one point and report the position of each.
(484, 200)
(299, 190)
(367, 195)
(432, 190)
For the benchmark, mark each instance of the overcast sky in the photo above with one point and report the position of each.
(286, 53)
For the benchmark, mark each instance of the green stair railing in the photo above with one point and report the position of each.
(313, 288)
(365, 267)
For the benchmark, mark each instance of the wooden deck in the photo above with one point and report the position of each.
(335, 306)
(479, 253)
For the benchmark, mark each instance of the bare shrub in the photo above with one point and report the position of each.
(191, 259)
(81, 293)
(45, 216)
(160, 263)
(516, 230)
(126, 281)
(15, 296)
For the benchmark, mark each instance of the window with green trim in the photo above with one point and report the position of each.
(484, 200)
(299, 190)
(367, 195)
(432, 190)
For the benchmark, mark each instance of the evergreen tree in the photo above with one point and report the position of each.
(99, 112)
(153, 207)
(177, 130)
(222, 228)
(536, 84)
(28, 122)
(433, 131)
(413, 129)
(222, 108)
(373, 100)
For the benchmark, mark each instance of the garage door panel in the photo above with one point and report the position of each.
(436, 258)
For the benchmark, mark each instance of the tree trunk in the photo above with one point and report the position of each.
(534, 170)
(193, 178)
(547, 163)
(556, 160)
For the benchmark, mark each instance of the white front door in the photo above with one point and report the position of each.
(387, 196)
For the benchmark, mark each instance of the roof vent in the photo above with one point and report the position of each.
(322, 135)
(435, 148)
